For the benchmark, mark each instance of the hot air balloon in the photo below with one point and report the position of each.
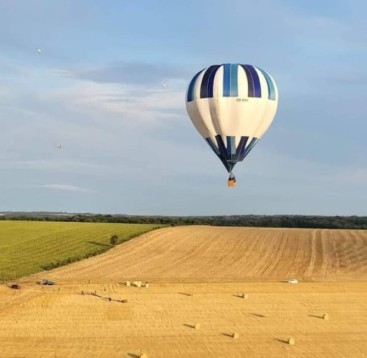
(232, 106)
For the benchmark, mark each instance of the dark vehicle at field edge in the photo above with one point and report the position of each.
(46, 282)
(14, 286)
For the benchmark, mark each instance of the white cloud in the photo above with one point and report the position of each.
(137, 101)
(130, 103)
(135, 73)
(66, 187)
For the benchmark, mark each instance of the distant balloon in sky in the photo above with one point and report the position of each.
(232, 106)
(59, 146)
(39, 50)
(164, 85)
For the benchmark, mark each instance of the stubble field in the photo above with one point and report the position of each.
(197, 275)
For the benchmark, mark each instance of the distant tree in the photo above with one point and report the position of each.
(114, 240)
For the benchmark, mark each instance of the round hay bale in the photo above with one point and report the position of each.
(146, 285)
(235, 335)
(143, 355)
(325, 316)
(291, 341)
(197, 326)
(127, 283)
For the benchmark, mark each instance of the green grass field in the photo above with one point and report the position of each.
(28, 247)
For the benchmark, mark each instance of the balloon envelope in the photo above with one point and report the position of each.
(232, 106)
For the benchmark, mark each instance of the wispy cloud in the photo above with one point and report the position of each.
(66, 187)
(136, 73)
(129, 102)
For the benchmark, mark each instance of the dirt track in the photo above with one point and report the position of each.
(197, 275)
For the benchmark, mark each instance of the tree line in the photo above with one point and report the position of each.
(286, 221)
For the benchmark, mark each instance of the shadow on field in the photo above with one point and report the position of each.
(185, 294)
(133, 355)
(227, 334)
(315, 316)
(189, 325)
(98, 244)
(238, 295)
(282, 340)
(105, 298)
(258, 315)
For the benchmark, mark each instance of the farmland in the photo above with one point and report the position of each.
(220, 254)
(27, 247)
(197, 275)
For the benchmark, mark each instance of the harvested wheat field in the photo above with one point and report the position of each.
(199, 278)
(222, 254)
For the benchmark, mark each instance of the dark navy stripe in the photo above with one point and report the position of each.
(256, 80)
(234, 81)
(248, 148)
(270, 83)
(250, 82)
(226, 80)
(190, 91)
(211, 80)
(221, 146)
(204, 90)
(228, 166)
(231, 155)
(222, 158)
(213, 146)
(241, 145)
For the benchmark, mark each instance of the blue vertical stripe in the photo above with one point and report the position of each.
(270, 83)
(190, 91)
(230, 80)
(231, 147)
(234, 81)
(226, 80)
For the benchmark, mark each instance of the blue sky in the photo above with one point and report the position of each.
(109, 85)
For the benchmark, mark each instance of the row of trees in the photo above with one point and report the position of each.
(289, 221)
